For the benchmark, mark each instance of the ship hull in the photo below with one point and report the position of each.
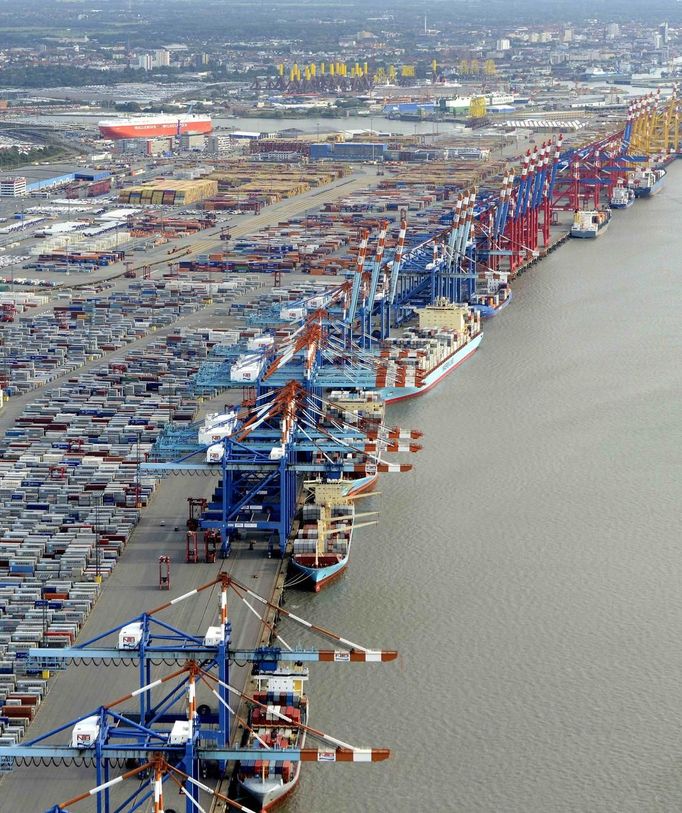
(488, 311)
(319, 577)
(626, 205)
(649, 191)
(272, 792)
(392, 395)
(360, 485)
(151, 130)
(589, 234)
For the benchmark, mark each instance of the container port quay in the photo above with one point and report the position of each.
(190, 437)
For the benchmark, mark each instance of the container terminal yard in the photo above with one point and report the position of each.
(187, 374)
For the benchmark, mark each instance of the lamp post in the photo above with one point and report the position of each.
(98, 575)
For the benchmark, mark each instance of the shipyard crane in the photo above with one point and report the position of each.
(107, 736)
(653, 126)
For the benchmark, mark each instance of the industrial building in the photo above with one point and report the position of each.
(35, 180)
(192, 141)
(348, 151)
(217, 144)
(13, 187)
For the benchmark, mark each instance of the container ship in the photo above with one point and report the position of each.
(647, 182)
(590, 223)
(279, 695)
(413, 363)
(495, 297)
(325, 534)
(155, 126)
(622, 196)
(365, 408)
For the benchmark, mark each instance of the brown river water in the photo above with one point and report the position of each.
(529, 568)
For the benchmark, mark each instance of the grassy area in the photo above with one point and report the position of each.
(11, 159)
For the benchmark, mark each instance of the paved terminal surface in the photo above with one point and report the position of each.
(132, 588)
(208, 240)
(133, 585)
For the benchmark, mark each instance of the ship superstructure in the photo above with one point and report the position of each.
(622, 196)
(590, 223)
(647, 182)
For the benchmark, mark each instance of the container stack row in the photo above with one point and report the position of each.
(71, 490)
(39, 349)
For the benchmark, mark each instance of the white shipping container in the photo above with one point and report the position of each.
(85, 733)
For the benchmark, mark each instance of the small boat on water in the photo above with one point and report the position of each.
(622, 196)
(412, 364)
(590, 223)
(647, 182)
(325, 534)
(279, 694)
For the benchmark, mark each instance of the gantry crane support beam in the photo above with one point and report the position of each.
(180, 655)
(274, 754)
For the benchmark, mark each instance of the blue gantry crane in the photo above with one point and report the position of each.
(108, 738)
(284, 435)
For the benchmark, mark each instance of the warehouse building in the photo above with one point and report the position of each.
(348, 151)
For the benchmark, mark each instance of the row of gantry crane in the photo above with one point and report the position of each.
(284, 434)
(336, 340)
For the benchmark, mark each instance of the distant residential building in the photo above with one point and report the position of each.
(14, 187)
(664, 32)
(161, 58)
(568, 35)
(503, 44)
(612, 31)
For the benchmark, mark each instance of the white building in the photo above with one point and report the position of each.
(14, 187)
(161, 58)
(503, 45)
